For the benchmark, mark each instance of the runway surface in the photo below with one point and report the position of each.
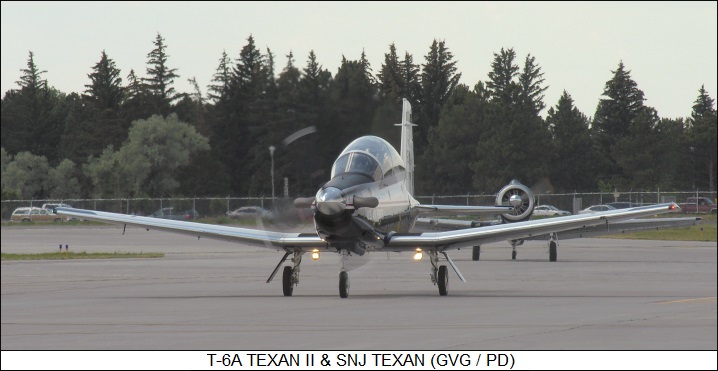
(602, 294)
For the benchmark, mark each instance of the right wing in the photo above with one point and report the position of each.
(256, 237)
(521, 230)
(616, 227)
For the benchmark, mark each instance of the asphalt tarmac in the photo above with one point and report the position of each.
(602, 294)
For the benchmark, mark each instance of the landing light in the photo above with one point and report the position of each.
(418, 255)
(315, 254)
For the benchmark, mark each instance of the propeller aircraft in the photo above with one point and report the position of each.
(368, 206)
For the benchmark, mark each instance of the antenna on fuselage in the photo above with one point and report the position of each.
(407, 144)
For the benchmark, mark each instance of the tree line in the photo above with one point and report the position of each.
(139, 137)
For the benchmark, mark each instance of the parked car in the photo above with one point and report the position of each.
(596, 208)
(249, 212)
(698, 205)
(170, 213)
(35, 214)
(548, 210)
(53, 206)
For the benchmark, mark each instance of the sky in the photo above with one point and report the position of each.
(668, 47)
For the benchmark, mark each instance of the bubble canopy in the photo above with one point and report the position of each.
(368, 155)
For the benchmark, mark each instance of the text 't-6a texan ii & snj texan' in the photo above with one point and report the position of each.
(368, 206)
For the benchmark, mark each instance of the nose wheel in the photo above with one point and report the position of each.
(344, 275)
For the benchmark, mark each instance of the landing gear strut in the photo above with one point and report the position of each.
(514, 243)
(344, 276)
(290, 274)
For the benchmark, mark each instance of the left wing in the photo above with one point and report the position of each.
(520, 230)
(256, 237)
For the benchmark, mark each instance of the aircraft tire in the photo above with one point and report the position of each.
(552, 251)
(476, 253)
(443, 281)
(343, 284)
(287, 285)
(513, 255)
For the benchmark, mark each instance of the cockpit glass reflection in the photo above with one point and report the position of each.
(357, 162)
(368, 155)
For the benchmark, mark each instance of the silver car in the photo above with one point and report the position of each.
(548, 210)
(596, 208)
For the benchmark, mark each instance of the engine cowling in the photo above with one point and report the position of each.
(520, 197)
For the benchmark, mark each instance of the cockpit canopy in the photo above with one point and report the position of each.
(368, 155)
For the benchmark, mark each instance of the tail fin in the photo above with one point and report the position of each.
(407, 144)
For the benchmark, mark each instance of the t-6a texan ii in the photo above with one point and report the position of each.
(368, 206)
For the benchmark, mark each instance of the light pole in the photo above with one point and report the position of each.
(271, 155)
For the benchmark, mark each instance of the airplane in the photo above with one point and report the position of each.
(368, 206)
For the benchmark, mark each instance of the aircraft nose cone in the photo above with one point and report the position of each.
(330, 201)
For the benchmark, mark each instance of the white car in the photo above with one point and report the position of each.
(596, 208)
(548, 210)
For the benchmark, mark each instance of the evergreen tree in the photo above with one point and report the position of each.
(572, 151)
(452, 145)
(501, 85)
(612, 121)
(623, 102)
(411, 78)
(81, 136)
(637, 152)
(161, 77)
(514, 137)
(240, 119)
(353, 100)
(23, 109)
(702, 138)
(221, 79)
(391, 84)
(703, 105)
(530, 82)
(104, 96)
(105, 88)
(671, 155)
(438, 81)
(138, 103)
(313, 104)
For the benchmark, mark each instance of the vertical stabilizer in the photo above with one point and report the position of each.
(407, 145)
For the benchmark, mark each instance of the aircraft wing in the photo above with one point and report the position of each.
(257, 237)
(463, 210)
(520, 230)
(616, 227)
(625, 226)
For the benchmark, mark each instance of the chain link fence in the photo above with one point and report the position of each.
(219, 206)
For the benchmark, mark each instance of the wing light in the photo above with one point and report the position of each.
(315, 254)
(418, 255)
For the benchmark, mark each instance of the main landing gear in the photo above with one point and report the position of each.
(440, 273)
(552, 247)
(290, 275)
